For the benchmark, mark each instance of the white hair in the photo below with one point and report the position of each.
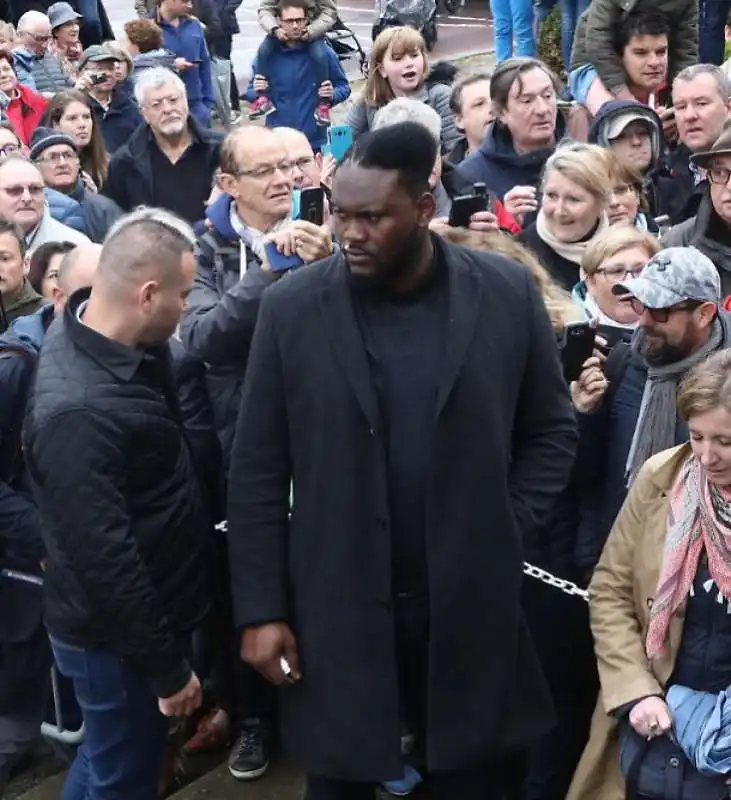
(154, 78)
(157, 216)
(29, 19)
(406, 109)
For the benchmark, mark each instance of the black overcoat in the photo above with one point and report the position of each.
(505, 441)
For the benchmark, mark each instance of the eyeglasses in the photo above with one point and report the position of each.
(57, 158)
(266, 170)
(302, 163)
(40, 38)
(34, 190)
(295, 21)
(663, 314)
(8, 149)
(173, 99)
(719, 175)
(619, 273)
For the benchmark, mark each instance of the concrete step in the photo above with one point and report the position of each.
(282, 782)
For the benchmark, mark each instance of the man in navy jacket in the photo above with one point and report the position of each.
(184, 35)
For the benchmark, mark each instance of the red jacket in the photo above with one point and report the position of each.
(26, 111)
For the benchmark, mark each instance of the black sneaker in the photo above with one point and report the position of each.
(249, 757)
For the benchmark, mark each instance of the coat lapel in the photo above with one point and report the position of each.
(347, 341)
(465, 297)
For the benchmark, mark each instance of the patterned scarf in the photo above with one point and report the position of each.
(699, 518)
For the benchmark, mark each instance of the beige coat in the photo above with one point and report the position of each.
(621, 594)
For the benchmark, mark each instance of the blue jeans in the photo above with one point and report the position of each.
(711, 22)
(125, 734)
(571, 10)
(542, 9)
(513, 18)
(317, 48)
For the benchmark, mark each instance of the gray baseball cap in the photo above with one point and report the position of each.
(673, 276)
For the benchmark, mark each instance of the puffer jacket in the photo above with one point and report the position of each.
(100, 212)
(127, 564)
(44, 74)
(322, 15)
(595, 34)
(218, 323)
(360, 115)
(66, 210)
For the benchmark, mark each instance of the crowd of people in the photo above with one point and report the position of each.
(280, 474)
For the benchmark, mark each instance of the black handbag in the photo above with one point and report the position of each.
(657, 769)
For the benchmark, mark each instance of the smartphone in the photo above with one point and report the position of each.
(312, 205)
(466, 205)
(339, 140)
(578, 345)
(195, 61)
(278, 261)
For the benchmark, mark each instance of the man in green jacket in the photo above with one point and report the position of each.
(604, 34)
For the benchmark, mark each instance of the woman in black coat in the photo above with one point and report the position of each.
(573, 212)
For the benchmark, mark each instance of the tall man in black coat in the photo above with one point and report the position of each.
(410, 392)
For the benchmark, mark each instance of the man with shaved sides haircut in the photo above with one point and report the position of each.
(121, 509)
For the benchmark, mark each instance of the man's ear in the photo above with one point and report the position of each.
(426, 208)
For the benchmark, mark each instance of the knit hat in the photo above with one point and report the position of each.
(43, 138)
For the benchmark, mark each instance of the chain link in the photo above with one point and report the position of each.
(567, 587)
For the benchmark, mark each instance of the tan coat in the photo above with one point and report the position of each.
(621, 594)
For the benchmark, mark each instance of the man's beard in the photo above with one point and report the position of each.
(659, 355)
(400, 264)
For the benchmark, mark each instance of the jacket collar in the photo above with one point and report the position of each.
(465, 293)
(666, 465)
(118, 359)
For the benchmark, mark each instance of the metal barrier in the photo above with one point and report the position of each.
(55, 732)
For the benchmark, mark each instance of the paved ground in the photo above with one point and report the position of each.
(469, 31)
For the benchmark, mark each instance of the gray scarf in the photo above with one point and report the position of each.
(655, 429)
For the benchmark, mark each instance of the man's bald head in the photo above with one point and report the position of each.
(300, 152)
(76, 271)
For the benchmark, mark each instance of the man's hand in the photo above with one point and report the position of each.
(651, 717)
(669, 126)
(185, 702)
(588, 390)
(481, 221)
(182, 64)
(311, 242)
(281, 35)
(521, 200)
(327, 170)
(83, 84)
(326, 90)
(264, 646)
(261, 84)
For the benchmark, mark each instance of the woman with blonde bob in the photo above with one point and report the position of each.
(660, 605)
(618, 254)
(573, 210)
(398, 67)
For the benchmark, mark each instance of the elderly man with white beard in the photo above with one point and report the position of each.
(169, 151)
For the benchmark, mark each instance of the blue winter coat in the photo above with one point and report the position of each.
(188, 41)
(293, 82)
(66, 210)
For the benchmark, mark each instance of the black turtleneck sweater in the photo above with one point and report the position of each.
(404, 340)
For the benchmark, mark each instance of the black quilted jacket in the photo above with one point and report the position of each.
(123, 522)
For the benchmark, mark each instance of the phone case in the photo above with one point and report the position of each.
(340, 140)
(279, 262)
